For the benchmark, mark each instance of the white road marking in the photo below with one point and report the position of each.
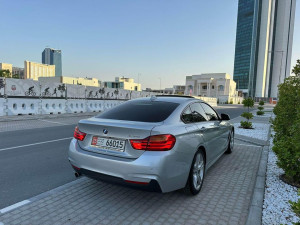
(14, 206)
(38, 143)
(53, 122)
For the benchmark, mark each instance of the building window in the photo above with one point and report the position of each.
(213, 87)
(221, 88)
(204, 87)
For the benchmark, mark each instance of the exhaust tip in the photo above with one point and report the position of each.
(77, 174)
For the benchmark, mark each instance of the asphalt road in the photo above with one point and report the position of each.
(34, 161)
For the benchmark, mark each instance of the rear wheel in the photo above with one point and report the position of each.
(196, 176)
(230, 143)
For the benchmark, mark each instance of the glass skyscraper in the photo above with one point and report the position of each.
(264, 37)
(52, 56)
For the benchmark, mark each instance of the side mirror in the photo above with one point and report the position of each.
(224, 117)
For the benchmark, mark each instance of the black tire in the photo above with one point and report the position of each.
(230, 143)
(190, 187)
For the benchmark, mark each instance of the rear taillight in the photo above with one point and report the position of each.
(78, 134)
(162, 142)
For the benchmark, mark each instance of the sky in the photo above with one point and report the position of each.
(157, 39)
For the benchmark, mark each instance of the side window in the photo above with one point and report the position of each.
(198, 113)
(210, 113)
(187, 116)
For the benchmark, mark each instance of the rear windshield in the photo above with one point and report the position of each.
(142, 111)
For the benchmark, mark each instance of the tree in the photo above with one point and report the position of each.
(5, 73)
(249, 103)
(260, 108)
(286, 126)
(296, 69)
(16, 76)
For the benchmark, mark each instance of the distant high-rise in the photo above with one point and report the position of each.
(52, 56)
(263, 49)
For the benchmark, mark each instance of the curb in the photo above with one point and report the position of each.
(257, 199)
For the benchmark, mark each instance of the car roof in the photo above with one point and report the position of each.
(170, 98)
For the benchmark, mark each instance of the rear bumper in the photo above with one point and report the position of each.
(166, 170)
(151, 186)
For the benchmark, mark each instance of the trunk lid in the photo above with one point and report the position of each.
(117, 130)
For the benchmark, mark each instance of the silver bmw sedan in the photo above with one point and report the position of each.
(161, 143)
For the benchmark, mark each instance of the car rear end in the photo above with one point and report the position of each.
(118, 146)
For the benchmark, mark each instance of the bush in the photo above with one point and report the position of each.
(247, 115)
(259, 113)
(239, 102)
(246, 124)
(260, 108)
(261, 102)
(249, 103)
(296, 206)
(231, 102)
(286, 126)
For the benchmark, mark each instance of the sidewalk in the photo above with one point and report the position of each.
(224, 199)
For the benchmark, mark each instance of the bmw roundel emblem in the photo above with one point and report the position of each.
(105, 131)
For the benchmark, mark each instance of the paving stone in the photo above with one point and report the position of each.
(224, 199)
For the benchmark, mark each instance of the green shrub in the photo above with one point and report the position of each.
(259, 113)
(260, 108)
(261, 102)
(246, 124)
(247, 115)
(249, 103)
(231, 102)
(239, 102)
(286, 126)
(296, 205)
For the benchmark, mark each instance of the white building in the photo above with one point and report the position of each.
(217, 85)
(123, 83)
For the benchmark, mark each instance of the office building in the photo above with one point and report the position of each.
(216, 85)
(52, 56)
(123, 83)
(263, 48)
(33, 70)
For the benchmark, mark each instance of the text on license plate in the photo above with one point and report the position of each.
(109, 143)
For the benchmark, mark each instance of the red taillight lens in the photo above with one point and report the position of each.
(163, 142)
(78, 134)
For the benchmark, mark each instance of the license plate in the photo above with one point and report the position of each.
(109, 143)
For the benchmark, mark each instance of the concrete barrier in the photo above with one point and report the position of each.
(23, 106)
(2, 106)
(53, 106)
(95, 105)
(76, 106)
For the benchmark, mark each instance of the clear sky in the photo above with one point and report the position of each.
(165, 39)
